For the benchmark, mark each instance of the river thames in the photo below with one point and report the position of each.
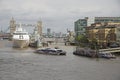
(24, 64)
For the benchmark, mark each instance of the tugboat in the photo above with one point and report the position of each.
(35, 40)
(20, 38)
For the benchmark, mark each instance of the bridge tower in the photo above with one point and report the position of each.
(12, 25)
(39, 26)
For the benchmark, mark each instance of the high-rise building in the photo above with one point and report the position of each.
(48, 32)
(107, 19)
(12, 26)
(39, 25)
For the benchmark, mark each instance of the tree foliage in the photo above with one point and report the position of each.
(82, 39)
(94, 44)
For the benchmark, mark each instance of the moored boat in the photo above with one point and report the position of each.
(51, 51)
(20, 38)
(35, 39)
(106, 55)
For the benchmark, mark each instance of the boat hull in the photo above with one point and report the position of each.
(20, 43)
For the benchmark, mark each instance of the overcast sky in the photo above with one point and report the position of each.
(55, 14)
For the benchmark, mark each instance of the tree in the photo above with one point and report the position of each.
(82, 40)
(94, 44)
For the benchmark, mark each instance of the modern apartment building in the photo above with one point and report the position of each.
(107, 19)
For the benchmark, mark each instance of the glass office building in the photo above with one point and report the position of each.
(80, 26)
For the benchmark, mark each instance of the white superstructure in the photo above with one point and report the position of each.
(20, 38)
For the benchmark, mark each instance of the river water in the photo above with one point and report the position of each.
(24, 64)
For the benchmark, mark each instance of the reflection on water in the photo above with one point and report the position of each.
(17, 64)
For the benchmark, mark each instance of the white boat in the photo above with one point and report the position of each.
(20, 38)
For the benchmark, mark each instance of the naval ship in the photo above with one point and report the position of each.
(20, 38)
(35, 39)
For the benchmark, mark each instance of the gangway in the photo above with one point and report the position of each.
(112, 50)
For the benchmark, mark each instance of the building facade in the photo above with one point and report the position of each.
(48, 32)
(107, 19)
(79, 26)
(105, 34)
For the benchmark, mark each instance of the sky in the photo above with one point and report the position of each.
(59, 15)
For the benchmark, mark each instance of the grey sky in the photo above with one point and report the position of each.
(55, 14)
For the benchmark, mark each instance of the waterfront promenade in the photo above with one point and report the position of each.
(24, 64)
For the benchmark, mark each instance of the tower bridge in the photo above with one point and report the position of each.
(27, 25)
(13, 26)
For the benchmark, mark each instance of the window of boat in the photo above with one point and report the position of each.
(20, 33)
(107, 53)
(52, 50)
(42, 50)
(59, 50)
